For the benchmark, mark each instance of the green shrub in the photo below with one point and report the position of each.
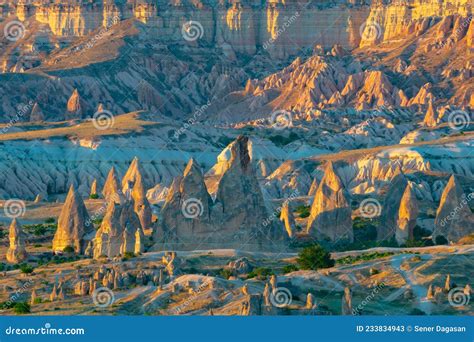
(313, 258)
(441, 240)
(68, 249)
(303, 211)
(50, 220)
(290, 268)
(27, 269)
(225, 273)
(22, 308)
(94, 196)
(261, 273)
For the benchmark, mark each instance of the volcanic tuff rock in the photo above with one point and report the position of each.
(407, 216)
(391, 207)
(36, 113)
(286, 216)
(110, 237)
(74, 225)
(186, 213)
(330, 217)
(16, 252)
(237, 216)
(133, 185)
(111, 190)
(454, 218)
(75, 105)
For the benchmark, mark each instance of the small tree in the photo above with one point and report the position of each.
(22, 308)
(314, 257)
(27, 269)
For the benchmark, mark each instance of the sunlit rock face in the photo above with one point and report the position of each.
(74, 225)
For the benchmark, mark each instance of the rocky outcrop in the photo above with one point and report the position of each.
(118, 231)
(330, 218)
(16, 252)
(454, 218)
(431, 116)
(346, 307)
(313, 188)
(407, 216)
(286, 216)
(75, 105)
(111, 191)
(36, 113)
(133, 186)
(74, 225)
(391, 207)
(237, 216)
(93, 192)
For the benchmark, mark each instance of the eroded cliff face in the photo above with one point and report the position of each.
(394, 18)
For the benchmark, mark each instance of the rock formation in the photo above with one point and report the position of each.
(407, 215)
(75, 228)
(431, 117)
(447, 284)
(310, 302)
(111, 191)
(132, 183)
(33, 297)
(286, 216)
(391, 207)
(75, 105)
(330, 218)
(238, 215)
(118, 229)
(36, 113)
(347, 302)
(93, 192)
(454, 218)
(313, 188)
(16, 252)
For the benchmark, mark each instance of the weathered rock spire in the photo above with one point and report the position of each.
(330, 217)
(74, 224)
(111, 190)
(16, 252)
(407, 215)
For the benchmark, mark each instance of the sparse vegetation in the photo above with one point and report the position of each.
(22, 308)
(303, 211)
(289, 268)
(260, 273)
(94, 196)
(26, 269)
(225, 273)
(363, 257)
(314, 257)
